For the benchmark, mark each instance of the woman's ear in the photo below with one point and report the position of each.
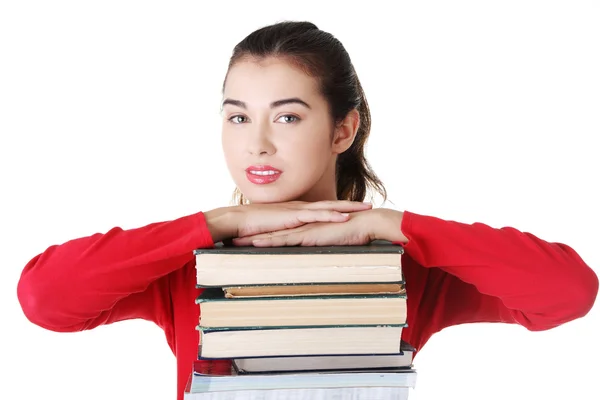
(345, 132)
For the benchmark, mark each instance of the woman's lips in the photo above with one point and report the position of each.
(262, 174)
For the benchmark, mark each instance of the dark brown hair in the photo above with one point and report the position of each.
(323, 57)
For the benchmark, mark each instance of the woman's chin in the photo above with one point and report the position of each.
(262, 196)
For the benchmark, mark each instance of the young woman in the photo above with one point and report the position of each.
(295, 123)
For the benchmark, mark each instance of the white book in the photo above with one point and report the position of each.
(371, 393)
(326, 362)
(360, 385)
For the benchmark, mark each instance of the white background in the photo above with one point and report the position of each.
(482, 111)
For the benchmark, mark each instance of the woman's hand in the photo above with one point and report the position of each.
(361, 228)
(253, 219)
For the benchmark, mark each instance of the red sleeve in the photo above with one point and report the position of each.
(103, 278)
(481, 274)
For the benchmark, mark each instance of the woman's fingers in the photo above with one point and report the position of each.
(279, 241)
(309, 216)
(270, 237)
(260, 218)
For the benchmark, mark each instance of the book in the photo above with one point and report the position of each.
(353, 393)
(226, 266)
(361, 309)
(369, 385)
(326, 363)
(233, 292)
(219, 343)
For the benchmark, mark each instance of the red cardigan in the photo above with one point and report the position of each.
(456, 273)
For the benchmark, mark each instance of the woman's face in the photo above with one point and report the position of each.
(278, 138)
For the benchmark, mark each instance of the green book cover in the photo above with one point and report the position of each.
(375, 247)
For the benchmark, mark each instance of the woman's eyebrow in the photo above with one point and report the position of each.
(277, 103)
(292, 100)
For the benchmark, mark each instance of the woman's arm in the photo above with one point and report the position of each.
(109, 277)
(490, 274)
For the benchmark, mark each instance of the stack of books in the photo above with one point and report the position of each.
(302, 323)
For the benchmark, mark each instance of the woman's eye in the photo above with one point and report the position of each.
(237, 119)
(288, 119)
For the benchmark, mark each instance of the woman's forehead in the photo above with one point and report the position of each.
(265, 81)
